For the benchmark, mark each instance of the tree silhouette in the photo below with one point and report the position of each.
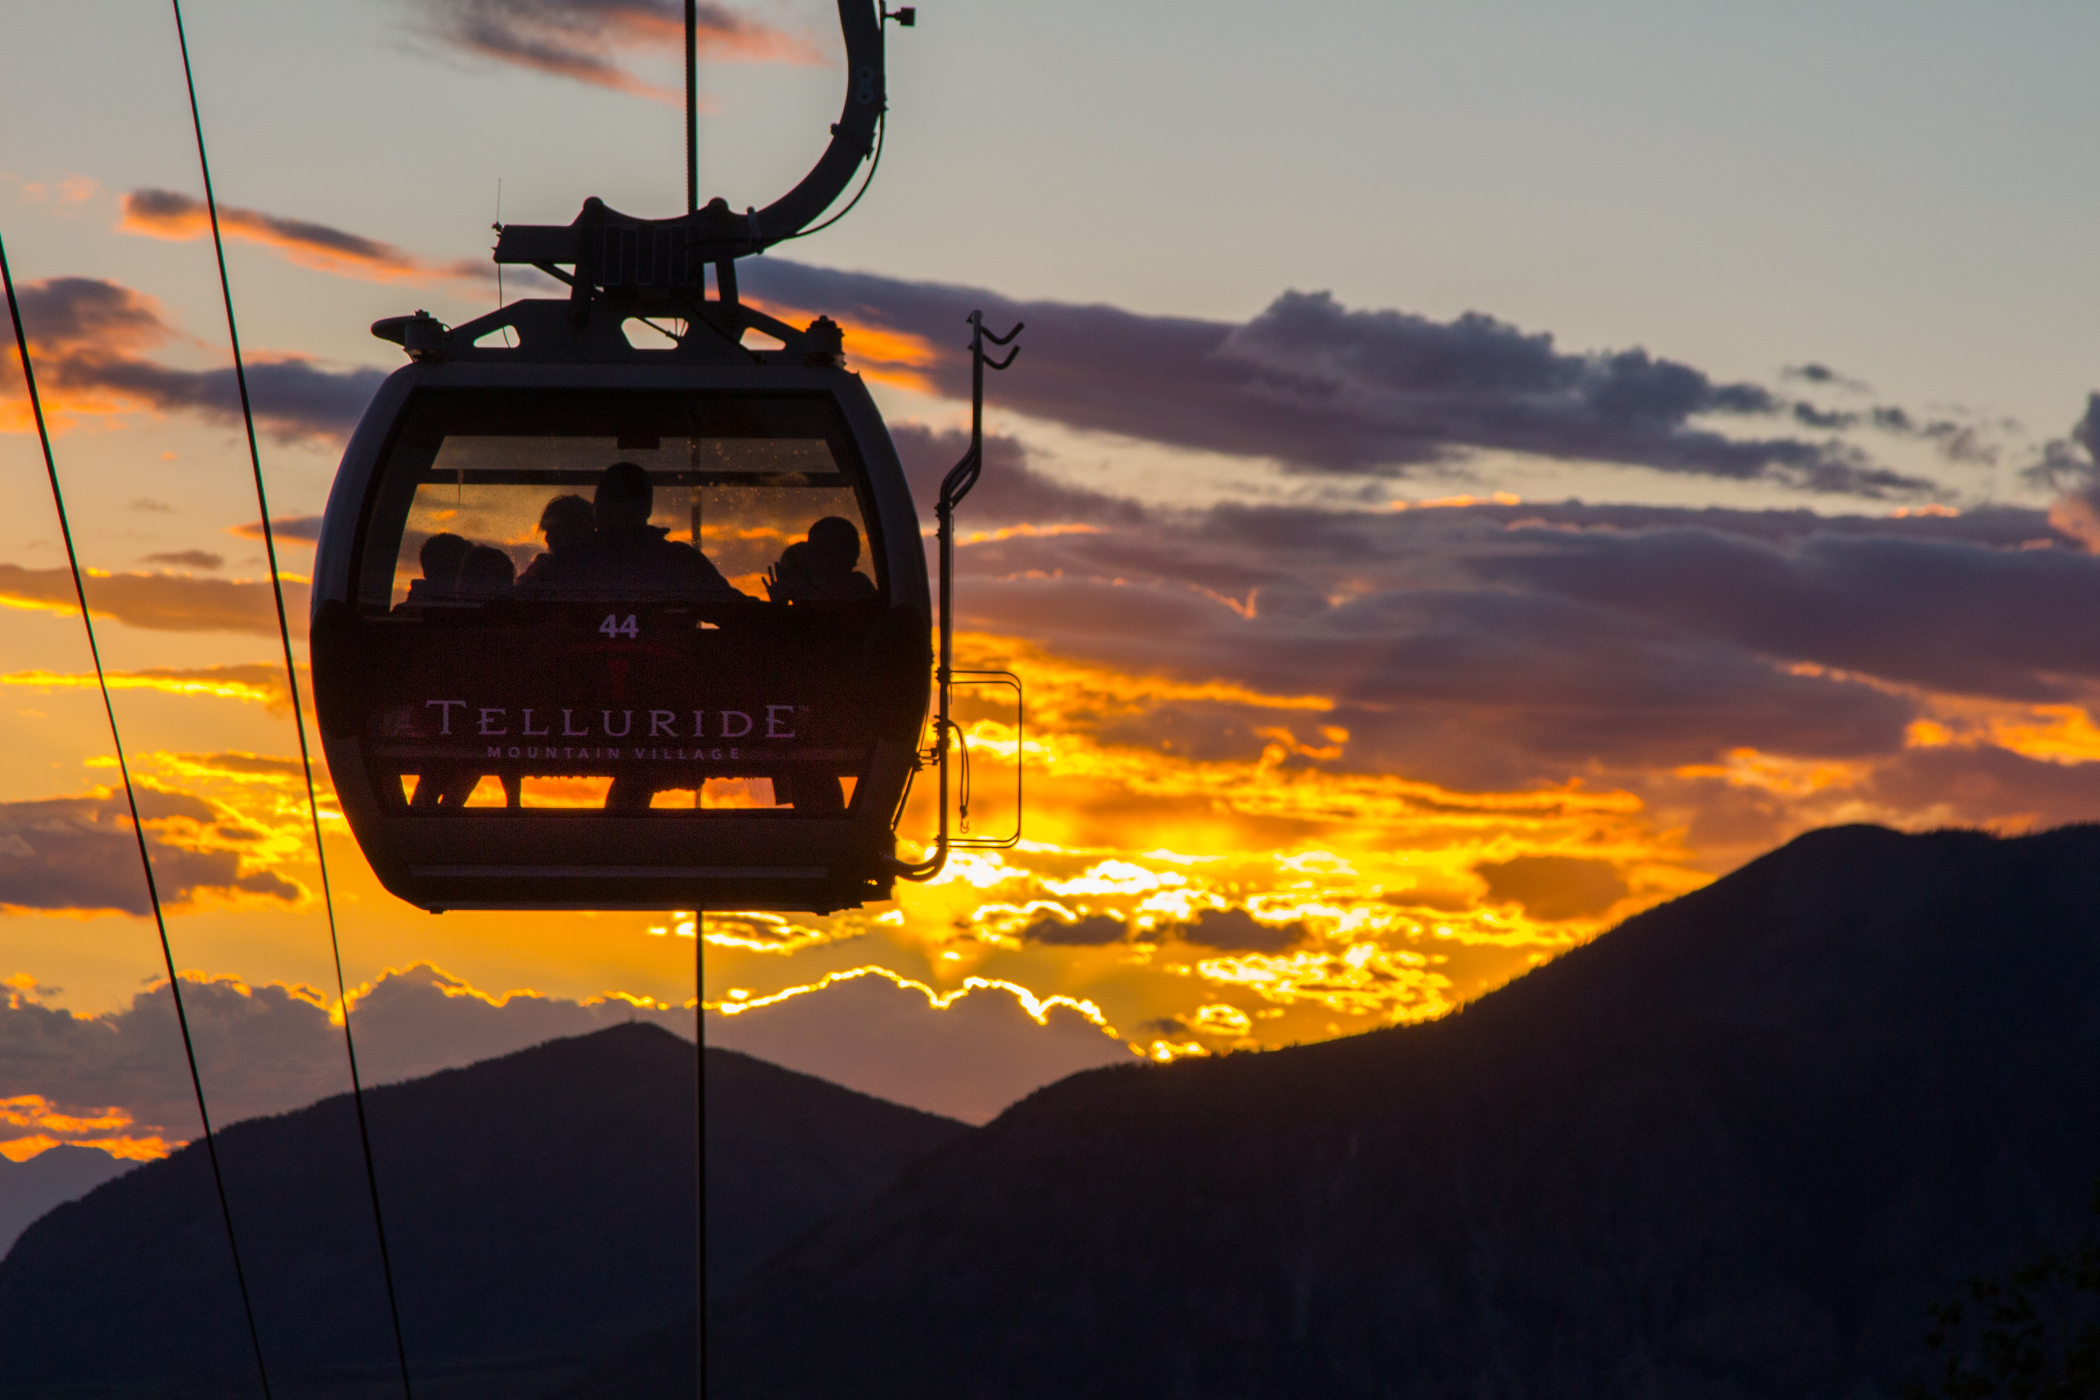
(2033, 1334)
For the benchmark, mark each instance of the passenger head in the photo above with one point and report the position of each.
(441, 556)
(486, 570)
(834, 541)
(624, 498)
(566, 522)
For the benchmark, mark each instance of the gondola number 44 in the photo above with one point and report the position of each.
(617, 626)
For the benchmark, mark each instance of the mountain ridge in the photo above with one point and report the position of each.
(540, 1214)
(1733, 1148)
(31, 1189)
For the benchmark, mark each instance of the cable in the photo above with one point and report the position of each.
(700, 1114)
(882, 125)
(692, 106)
(138, 830)
(291, 677)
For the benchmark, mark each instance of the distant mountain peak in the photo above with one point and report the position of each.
(540, 1210)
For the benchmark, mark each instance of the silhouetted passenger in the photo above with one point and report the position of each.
(567, 522)
(446, 787)
(629, 556)
(485, 573)
(812, 794)
(821, 566)
(441, 557)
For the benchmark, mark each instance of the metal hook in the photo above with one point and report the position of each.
(958, 483)
(979, 335)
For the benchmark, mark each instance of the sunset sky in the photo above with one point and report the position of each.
(1474, 472)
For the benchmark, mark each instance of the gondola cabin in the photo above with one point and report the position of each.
(605, 627)
(615, 608)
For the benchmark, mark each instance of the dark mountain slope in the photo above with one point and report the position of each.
(540, 1213)
(55, 1175)
(1731, 1149)
(787, 1151)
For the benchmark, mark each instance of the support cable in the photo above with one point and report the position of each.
(700, 911)
(700, 1117)
(138, 830)
(692, 203)
(291, 677)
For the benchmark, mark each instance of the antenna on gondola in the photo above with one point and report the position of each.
(692, 105)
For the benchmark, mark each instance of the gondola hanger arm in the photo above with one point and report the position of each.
(852, 136)
(716, 233)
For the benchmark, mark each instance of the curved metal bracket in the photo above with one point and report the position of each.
(852, 137)
(618, 252)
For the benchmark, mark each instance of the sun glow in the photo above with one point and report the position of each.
(1328, 893)
(888, 356)
(1038, 1008)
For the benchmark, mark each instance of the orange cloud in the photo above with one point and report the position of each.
(1017, 532)
(2064, 735)
(890, 356)
(233, 767)
(1267, 787)
(66, 189)
(76, 856)
(68, 318)
(257, 684)
(1060, 689)
(88, 336)
(1499, 498)
(1791, 777)
(158, 602)
(584, 42)
(166, 214)
(1356, 894)
(2059, 734)
(51, 1126)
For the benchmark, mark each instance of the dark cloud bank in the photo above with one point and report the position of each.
(90, 336)
(1308, 383)
(79, 854)
(1482, 647)
(1493, 646)
(1319, 387)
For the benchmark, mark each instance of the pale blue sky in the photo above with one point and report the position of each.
(1901, 190)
